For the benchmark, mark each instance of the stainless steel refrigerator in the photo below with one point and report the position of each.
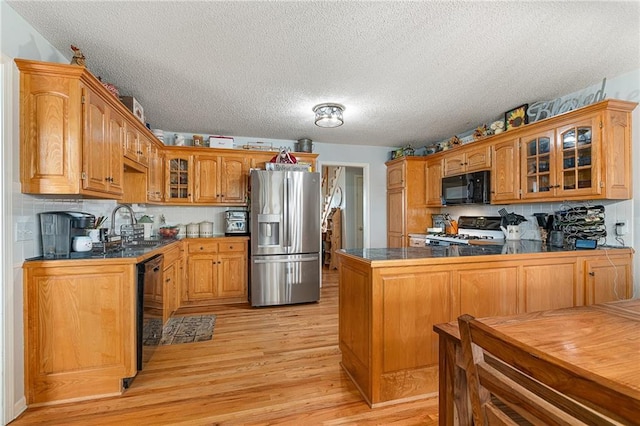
(285, 237)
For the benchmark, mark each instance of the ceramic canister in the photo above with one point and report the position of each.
(193, 230)
(182, 231)
(206, 229)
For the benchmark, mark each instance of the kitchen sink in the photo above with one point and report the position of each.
(142, 243)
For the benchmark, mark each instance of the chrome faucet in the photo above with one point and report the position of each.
(113, 216)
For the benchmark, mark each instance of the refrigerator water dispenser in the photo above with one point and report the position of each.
(268, 230)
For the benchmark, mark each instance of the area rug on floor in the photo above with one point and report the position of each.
(197, 328)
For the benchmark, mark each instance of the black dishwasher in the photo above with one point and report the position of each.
(148, 311)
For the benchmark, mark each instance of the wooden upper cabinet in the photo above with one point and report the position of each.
(616, 159)
(178, 177)
(433, 183)
(396, 175)
(505, 171)
(101, 146)
(259, 160)
(583, 154)
(51, 129)
(207, 170)
(205, 176)
(155, 174)
(144, 146)
(116, 125)
(468, 159)
(220, 179)
(233, 179)
(137, 146)
(72, 132)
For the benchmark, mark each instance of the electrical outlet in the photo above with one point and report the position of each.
(24, 231)
(621, 228)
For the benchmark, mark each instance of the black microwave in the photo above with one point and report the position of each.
(469, 188)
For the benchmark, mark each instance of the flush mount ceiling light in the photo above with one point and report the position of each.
(329, 115)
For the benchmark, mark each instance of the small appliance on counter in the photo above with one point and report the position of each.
(236, 222)
(60, 229)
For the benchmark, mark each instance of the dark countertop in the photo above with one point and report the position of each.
(132, 252)
(453, 251)
(124, 253)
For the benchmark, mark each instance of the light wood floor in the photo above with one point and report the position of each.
(275, 365)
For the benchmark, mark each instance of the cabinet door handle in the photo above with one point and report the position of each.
(592, 274)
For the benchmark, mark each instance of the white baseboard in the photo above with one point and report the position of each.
(18, 408)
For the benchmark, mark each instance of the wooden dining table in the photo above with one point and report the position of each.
(603, 339)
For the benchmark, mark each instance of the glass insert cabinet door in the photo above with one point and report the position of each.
(538, 155)
(577, 172)
(179, 178)
(562, 162)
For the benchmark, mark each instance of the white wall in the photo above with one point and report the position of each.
(18, 40)
(376, 203)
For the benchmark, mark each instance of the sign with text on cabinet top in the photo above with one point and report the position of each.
(545, 109)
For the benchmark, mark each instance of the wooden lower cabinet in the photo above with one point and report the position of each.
(387, 309)
(396, 223)
(79, 329)
(607, 280)
(217, 271)
(551, 284)
(486, 291)
(172, 278)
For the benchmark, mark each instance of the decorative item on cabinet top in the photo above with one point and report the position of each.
(78, 57)
(220, 142)
(516, 117)
(134, 106)
(406, 151)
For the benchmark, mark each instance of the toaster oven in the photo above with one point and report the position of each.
(236, 222)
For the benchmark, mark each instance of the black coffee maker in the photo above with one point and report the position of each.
(58, 230)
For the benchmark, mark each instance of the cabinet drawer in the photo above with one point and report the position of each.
(172, 254)
(232, 246)
(203, 247)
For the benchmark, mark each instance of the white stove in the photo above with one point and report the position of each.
(469, 228)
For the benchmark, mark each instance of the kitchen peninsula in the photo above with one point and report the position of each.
(390, 298)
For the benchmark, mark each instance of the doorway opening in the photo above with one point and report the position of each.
(346, 186)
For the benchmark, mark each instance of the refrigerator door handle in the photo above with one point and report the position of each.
(286, 231)
(298, 259)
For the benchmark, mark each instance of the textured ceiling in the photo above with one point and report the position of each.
(407, 72)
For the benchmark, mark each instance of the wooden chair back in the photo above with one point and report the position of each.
(510, 383)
